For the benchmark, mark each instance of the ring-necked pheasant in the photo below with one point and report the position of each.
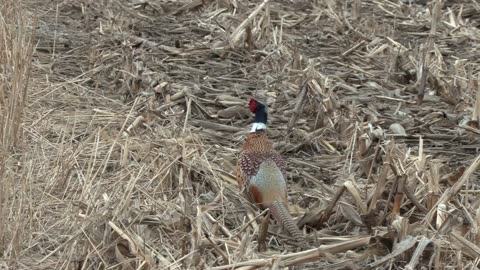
(261, 173)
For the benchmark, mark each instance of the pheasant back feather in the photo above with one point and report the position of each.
(261, 171)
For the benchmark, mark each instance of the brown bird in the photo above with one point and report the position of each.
(261, 173)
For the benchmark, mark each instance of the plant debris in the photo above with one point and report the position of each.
(122, 122)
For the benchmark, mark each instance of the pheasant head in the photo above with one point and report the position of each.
(260, 111)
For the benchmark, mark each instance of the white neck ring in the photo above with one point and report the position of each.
(258, 126)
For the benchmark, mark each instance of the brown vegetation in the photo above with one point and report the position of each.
(122, 121)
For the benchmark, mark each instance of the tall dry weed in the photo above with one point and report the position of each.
(16, 49)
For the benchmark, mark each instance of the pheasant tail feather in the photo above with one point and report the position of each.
(281, 215)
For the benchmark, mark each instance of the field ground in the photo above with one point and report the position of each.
(122, 120)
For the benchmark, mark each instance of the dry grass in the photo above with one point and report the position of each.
(16, 50)
(120, 136)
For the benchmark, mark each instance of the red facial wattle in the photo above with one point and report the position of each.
(253, 105)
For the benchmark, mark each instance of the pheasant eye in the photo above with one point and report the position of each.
(253, 105)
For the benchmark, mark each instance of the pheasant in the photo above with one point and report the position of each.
(261, 173)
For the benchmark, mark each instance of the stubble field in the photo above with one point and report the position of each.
(122, 121)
